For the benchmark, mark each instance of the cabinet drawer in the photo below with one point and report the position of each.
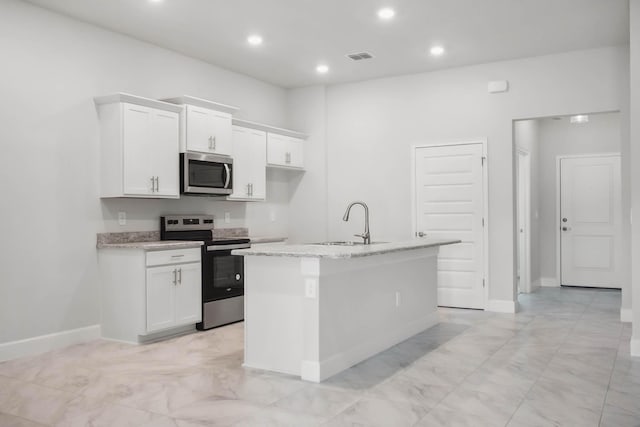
(173, 256)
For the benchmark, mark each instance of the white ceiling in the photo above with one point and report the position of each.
(299, 34)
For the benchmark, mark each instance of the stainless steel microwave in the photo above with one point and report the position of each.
(204, 174)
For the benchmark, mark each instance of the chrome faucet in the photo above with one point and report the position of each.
(366, 236)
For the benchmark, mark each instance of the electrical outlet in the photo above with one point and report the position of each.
(227, 217)
(122, 218)
(310, 288)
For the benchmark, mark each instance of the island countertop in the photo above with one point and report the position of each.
(319, 250)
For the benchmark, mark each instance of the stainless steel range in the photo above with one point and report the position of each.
(222, 273)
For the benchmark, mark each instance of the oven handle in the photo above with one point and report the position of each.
(227, 247)
(228, 175)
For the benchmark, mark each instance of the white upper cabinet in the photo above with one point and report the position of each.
(205, 126)
(284, 147)
(249, 164)
(285, 151)
(139, 147)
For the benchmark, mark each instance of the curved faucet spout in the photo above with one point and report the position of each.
(366, 235)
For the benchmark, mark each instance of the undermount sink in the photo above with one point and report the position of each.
(345, 243)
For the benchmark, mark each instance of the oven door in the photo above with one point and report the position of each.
(222, 274)
(206, 174)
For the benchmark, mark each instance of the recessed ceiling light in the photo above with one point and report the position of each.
(386, 13)
(436, 50)
(254, 40)
(322, 69)
(579, 119)
(155, 1)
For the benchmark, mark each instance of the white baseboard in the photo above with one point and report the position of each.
(549, 282)
(502, 306)
(44, 343)
(635, 347)
(626, 315)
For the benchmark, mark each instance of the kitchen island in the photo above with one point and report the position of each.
(314, 310)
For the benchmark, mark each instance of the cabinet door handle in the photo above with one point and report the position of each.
(157, 183)
(287, 158)
(153, 184)
(251, 189)
(180, 275)
(175, 276)
(210, 142)
(214, 142)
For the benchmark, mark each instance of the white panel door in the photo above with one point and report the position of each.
(199, 129)
(590, 221)
(164, 153)
(137, 146)
(161, 282)
(222, 139)
(188, 294)
(450, 205)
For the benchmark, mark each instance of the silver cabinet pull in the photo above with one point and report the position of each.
(214, 142)
(153, 184)
(210, 142)
(248, 189)
(157, 183)
(287, 158)
(251, 189)
(180, 275)
(177, 256)
(175, 276)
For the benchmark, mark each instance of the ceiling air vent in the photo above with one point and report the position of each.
(360, 56)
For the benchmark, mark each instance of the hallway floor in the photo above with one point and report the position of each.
(563, 360)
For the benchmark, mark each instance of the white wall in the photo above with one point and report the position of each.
(557, 138)
(634, 149)
(308, 202)
(526, 137)
(52, 67)
(372, 125)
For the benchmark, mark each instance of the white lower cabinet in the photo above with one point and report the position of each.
(146, 294)
(173, 296)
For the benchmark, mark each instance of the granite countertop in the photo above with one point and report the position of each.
(339, 251)
(154, 245)
(150, 240)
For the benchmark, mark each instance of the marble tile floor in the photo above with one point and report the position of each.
(562, 361)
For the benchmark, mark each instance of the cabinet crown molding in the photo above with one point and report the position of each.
(204, 103)
(269, 128)
(137, 100)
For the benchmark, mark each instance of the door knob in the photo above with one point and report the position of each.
(566, 228)
(564, 220)
(421, 234)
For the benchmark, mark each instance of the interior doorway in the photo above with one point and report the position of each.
(539, 144)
